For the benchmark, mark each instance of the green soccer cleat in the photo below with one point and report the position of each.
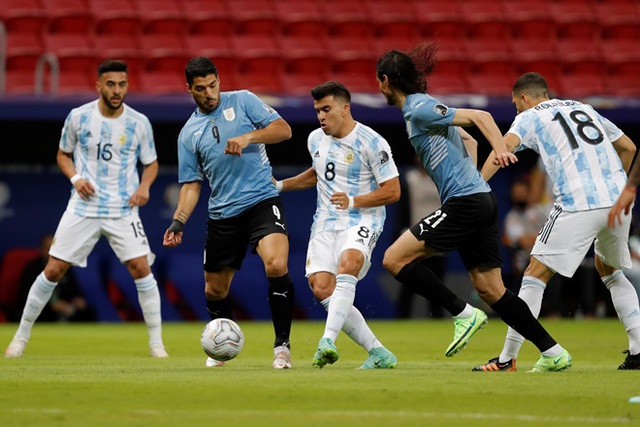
(553, 363)
(380, 358)
(326, 353)
(465, 328)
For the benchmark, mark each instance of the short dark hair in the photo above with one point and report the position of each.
(331, 88)
(532, 84)
(407, 72)
(200, 66)
(110, 65)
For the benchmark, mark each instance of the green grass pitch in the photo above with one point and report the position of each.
(101, 375)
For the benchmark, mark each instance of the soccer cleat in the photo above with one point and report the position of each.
(494, 365)
(16, 347)
(465, 328)
(157, 350)
(281, 357)
(326, 353)
(213, 363)
(631, 362)
(380, 358)
(553, 363)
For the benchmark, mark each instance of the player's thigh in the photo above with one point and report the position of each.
(127, 238)
(264, 219)
(612, 244)
(322, 253)
(565, 239)
(361, 238)
(75, 238)
(226, 244)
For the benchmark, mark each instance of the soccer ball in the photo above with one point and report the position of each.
(222, 339)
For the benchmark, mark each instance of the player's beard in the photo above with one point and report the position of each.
(110, 104)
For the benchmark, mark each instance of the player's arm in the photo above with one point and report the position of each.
(302, 181)
(471, 145)
(625, 146)
(511, 141)
(187, 201)
(141, 196)
(276, 131)
(68, 168)
(484, 121)
(387, 193)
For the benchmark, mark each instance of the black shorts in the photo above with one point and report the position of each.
(227, 238)
(468, 224)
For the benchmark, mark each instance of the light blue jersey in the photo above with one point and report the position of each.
(356, 164)
(575, 145)
(237, 183)
(106, 153)
(439, 146)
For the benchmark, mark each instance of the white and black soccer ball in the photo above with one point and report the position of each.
(222, 339)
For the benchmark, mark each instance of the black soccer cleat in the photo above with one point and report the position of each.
(631, 362)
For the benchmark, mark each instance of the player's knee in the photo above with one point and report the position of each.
(321, 289)
(215, 294)
(276, 267)
(138, 268)
(55, 271)
(391, 263)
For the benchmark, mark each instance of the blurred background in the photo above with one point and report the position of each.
(49, 52)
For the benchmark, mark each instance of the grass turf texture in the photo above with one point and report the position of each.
(101, 375)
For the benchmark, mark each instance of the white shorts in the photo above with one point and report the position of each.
(326, 248)
(76, 236)
(566, 238)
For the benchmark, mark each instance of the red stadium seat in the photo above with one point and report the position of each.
(68, 16)
(23, 51)
(575, 20)
(164, 52)
(115, 17)
(24, 16)
(449, 77)
(577, 86)
(440, 19)
(495, 81)
(302, 83)
(77, 60)
(301, 18)
(623, 79)
(580, 55)
(163, 82)
(394, 19)
(124, 47)
(261, 82)
(254, 17)
(619, 19)
(209, 18)
(162, 17)
(306, 54)
(261, 63)
(357, 82)
(221, 51)
(486, 19)
(348, 18)
(353, 54)
(403, 43)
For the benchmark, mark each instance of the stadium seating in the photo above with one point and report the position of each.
(208, 18)
(162, 17)
(77, 61)
(392, 18)
(115, 17)
(254, 17)
(23, 16)
(68, 16)
(301, 18)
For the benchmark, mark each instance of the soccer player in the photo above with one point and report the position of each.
(223, 141)
(586, 157)
(468, 218)
(355, 176)
(101, 145)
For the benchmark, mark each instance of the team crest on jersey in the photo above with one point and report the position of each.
(122, 139)
(268, 109)
(317, 154)
(383, 156)
(229, 114)
(349, 157)
(440, 109)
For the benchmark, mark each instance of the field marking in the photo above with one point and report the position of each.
(405, 414)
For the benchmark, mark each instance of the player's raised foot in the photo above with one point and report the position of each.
(494, 365)
(631, 362)
(213, 363)
(465, 328)
(553, 363)
(326, 353)
(281, 357)
(380, 358)
(16, 347)
(157, 350)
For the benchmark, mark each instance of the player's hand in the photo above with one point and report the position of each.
(140, 197)
(236, 145)
(173, 235)
(504, 159)
(340, 200)
(84, 189)
(624, 203)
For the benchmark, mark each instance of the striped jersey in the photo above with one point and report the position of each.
(355, 165)
(575, 145)
(439, 146)
(106, 153)
(237, 183)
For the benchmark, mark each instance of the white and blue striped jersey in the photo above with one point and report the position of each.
(237, 183)
(355, 165)
(440, 148)
(106, 153)
(575, 145)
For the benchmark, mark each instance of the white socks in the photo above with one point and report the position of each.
(356, 328)
(531, 292)
(340, 305)
(149, 299)
(625, 301)
(39, 296)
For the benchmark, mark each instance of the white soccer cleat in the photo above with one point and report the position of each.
(157, 350)
(213, 363)
(281, 357)
(16, 347)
